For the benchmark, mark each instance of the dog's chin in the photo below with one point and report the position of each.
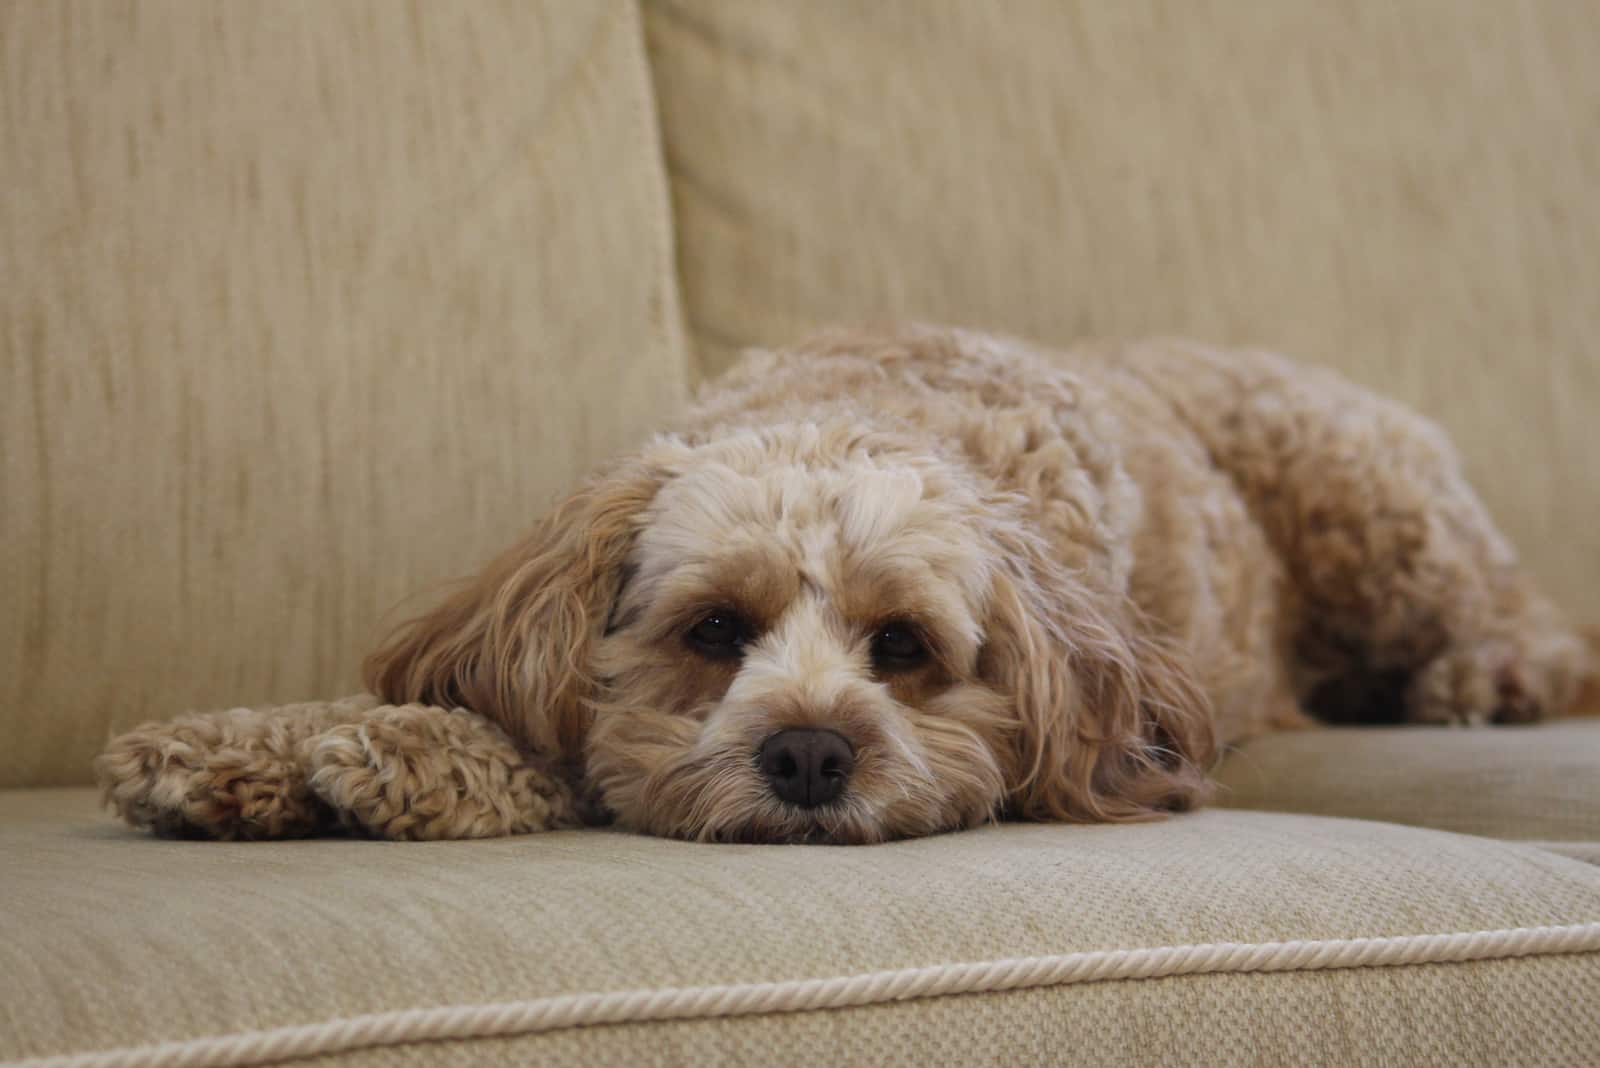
(774, 822)
(755, 816)
(835, 824)
(849, 821)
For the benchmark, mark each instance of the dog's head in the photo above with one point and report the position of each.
(812, 633)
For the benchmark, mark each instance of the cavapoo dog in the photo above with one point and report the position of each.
(890, 584)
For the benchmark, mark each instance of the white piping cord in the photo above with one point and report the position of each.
(537, 1015)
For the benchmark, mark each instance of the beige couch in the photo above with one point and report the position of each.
(309, 306)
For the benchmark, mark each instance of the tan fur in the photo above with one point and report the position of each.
(1120, 558)
(235, 774)
(422, 772)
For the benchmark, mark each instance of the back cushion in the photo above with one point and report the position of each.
(306, 308)
(1403, 191)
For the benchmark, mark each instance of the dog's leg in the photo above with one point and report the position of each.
(234, 774)
(1516, 664)
(419, 772)
(1398, 562)
(1399, 570)
(1409, 601)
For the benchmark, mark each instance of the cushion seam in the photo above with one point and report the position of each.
(566, 1011)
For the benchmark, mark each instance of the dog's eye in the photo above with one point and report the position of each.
(897, 647)
(721, 634)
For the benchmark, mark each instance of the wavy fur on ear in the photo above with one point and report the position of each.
(1113, 724)
(513, 645)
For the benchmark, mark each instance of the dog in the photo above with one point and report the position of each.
(892, 583)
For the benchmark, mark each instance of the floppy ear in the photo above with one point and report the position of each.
(513, 645)
(1112, 725)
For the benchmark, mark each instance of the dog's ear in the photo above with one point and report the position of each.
(514, 643)
(1112, 725)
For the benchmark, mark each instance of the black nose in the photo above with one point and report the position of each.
(807, 767)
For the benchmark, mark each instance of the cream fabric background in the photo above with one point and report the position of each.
(253, 936)
(1537, 783)
(307, 307)
(1404, 191)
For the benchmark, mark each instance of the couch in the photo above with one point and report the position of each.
(309, 307)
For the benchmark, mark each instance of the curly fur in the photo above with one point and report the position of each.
(1118, 558)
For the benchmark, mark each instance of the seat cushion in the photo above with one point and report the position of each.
(1537, 783)
(1402, 191)
(1296, 938)
(307, 308)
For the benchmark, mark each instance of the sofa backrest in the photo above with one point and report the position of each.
(1403, 191)
(306, 308)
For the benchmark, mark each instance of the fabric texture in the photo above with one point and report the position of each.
(1585, 851)
(1481, 1015)
(252, 936)
(310, 306)
(1532, 783)
(307, 308)
(1400, 191)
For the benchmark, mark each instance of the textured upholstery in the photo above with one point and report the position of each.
(1534, 783)
(1404, 191)
(1414, 1016)
(307, 307)
(253, 936)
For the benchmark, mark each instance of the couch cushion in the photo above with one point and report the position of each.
(1530, 783)
(1404, 191)
(306, 308)
(1072, 944)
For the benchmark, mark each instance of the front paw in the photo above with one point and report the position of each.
(418, 772)
(222, 775)
(1486, 682)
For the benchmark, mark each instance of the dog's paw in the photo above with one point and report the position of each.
(227, 775)
(1486, 682)
(418, 772)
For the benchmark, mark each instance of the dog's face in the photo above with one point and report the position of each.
(811, 633)
(794, 654)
